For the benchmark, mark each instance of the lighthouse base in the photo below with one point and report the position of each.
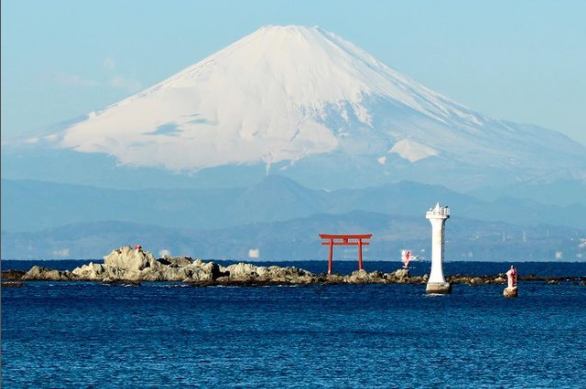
(438, 288)
(510, 292)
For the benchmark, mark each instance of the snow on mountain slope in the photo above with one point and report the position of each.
(263, 97)
(287, 94)
(412, 151)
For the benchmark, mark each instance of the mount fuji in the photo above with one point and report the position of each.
(304, 103)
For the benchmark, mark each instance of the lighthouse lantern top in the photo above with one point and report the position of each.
(438, 212)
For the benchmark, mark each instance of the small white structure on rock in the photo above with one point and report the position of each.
(437, 217)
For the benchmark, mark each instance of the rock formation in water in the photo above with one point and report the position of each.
(12, 275)
(39, 273)
(129, 265)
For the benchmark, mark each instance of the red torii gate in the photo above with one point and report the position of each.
(344, 240)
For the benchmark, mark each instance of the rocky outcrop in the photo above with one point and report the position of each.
(130, 260)
(248, 274)
(476, 280)
(12, 275)
(130, 266)
(91, 272)
(39, 273)
(176, 261)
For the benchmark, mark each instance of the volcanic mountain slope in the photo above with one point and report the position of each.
(313, 106)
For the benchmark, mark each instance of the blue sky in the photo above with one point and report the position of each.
(522, 60)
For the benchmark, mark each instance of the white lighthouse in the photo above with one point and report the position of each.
(437, 217)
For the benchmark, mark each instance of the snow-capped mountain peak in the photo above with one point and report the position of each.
(302, 96)
(269, 96)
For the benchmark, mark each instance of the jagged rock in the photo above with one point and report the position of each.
(211, 268)
(359, 274)
(242, 271)
(335, 279)
(418, 279)
(12, 275)
(130, 259)
(91, 272)
(40, 273)
(291, 275)
(248, 273)
(203, 273)
(130, 264)
(358, 277)
(176, 261)
(402, 274)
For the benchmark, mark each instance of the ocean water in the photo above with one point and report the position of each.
(73, 335)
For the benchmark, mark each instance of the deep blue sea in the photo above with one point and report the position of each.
(82, 335)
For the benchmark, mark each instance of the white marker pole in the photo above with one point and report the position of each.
(437, 217)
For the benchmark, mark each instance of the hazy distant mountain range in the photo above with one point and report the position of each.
(280, 218)
(297, 239)
(38, 205)
(290, 125)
